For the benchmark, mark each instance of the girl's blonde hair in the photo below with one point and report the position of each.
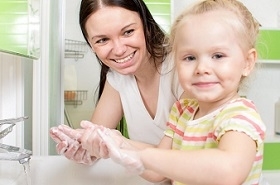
(245, 25)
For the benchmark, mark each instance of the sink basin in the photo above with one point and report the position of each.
(57, 170)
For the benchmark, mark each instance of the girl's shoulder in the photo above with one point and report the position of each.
(241, 104)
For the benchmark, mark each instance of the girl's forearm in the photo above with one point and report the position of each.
(136, 145)
(192, 167)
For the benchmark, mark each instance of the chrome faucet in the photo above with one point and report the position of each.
(8, 152)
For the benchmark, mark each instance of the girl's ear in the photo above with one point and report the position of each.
(250, 61)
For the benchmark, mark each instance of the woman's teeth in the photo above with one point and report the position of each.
(125, 59)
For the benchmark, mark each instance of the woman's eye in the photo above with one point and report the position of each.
(129, 32)
(100, 41)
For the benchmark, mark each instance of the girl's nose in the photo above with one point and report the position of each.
(202, 67)
(119, 47)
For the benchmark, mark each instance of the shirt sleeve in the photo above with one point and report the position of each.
(241, 117)
(112, 78)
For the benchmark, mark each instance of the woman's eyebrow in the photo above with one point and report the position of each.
(102, 36)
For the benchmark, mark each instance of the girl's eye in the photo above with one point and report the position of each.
(217, 56)
(189, 58)
(129, 32)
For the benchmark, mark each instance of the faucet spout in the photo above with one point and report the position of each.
(24, 159)
(13, 153)
(8, 152)
(9, 123)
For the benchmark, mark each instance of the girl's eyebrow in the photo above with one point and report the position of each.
(101, 36)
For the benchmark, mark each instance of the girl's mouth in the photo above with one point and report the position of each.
(123, 60)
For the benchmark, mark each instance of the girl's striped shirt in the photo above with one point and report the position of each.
(238, 115)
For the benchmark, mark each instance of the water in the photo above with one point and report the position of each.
(26, 167)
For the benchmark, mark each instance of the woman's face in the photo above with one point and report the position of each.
(116, 35)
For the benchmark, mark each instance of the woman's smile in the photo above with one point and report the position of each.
(126, 59)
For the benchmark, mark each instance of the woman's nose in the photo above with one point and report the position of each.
(119, 47)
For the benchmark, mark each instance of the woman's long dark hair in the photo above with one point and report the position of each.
(154, 35)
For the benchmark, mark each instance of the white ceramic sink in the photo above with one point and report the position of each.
(57, 170)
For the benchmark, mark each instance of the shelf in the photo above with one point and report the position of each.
(75, 97)
(75, 49)
(265, 61)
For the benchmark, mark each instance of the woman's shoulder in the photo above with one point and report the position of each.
(119, 81)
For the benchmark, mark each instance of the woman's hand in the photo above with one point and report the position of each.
(83, 145)
(69, 146)
(93, 143)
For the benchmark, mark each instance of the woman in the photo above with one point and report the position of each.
(136, 78)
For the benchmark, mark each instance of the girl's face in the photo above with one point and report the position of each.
(116, 35)
(209, 58)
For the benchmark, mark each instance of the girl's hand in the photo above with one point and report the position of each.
(127, 158)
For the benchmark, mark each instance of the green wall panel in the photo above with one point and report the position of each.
(271, 156)
(161, 11)
(10, 7)
(159, 8)
(18, 26)
(268, 44)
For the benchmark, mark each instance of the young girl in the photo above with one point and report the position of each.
(216, 137)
